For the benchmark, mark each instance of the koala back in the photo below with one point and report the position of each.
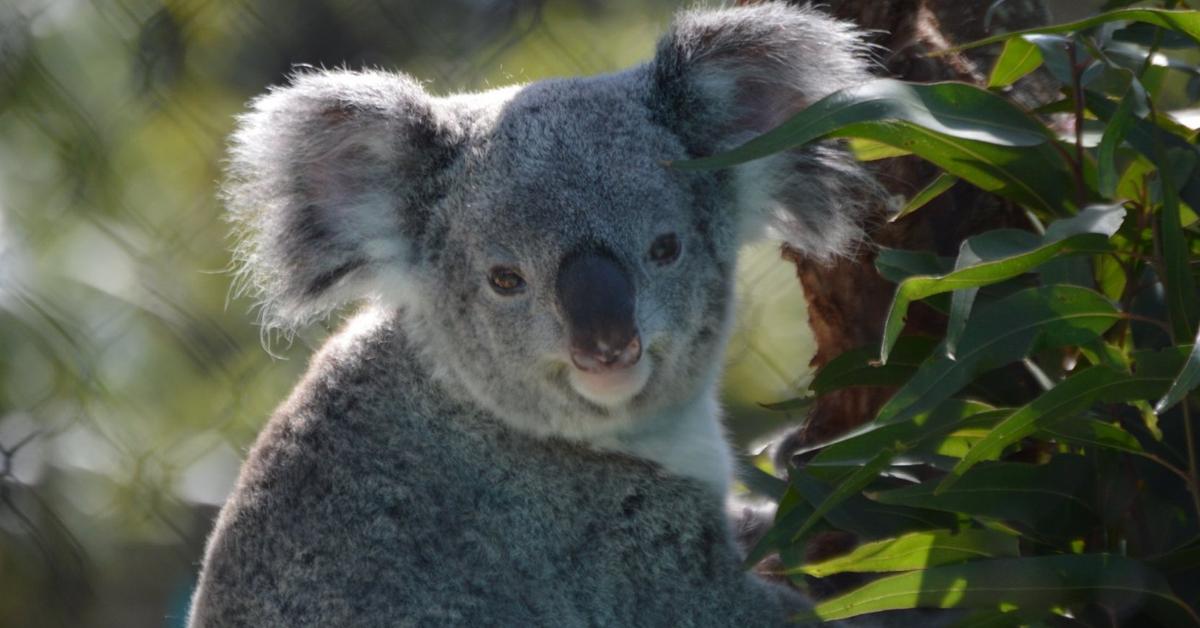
(375, 498)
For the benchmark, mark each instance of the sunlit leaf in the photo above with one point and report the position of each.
(870, 150)
(916, 550)
(936, 188)
(1034, 584)
(1018, 58)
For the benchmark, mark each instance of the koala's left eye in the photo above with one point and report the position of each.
(505, 281)
(664, 249)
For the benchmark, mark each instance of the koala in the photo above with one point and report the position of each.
(520, 426)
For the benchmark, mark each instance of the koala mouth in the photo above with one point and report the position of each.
(611, 388)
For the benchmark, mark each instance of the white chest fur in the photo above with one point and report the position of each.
(685, 439)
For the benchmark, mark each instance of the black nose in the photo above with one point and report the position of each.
(597, 300)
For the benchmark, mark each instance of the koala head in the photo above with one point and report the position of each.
(548, 259)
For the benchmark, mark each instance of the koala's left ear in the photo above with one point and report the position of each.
(331, 183)
(721, 77)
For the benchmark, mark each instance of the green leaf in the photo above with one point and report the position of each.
(758, 481)
(1094, 433)
(851, 485)
(870, 150)
(954, 110)
(1055, 56)
(1001, 333)
(1035, 583)
(1067, 399)
(1114, 134)
(858, 446)
(858, 367)
(799, 404)
(1147, 138)
(1178, 283)
(936, 188)
(992, 245)
(868, 519)
(1050, 501)
(1186, 22)
(968, 132)
(896, 265)
(999, 255)
(1188, 379)
(916, 550)
(1018, 58)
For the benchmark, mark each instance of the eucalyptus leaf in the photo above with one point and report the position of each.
(1018, 58)
(867, 519)
(1067, 399)
(968, 132)
(1094, 433)
(858, 367)
(1034, 584)
(1184, 22)
(999, 255)
(896, 265)
(1051, 500)
(1001, 333)
(916, 550)
(857, 480)
(936, 188)
(1114, 134)
(1185, 382)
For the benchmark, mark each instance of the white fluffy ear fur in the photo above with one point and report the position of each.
(329, 184)
(722, 77)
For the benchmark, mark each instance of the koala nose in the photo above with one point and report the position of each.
(598, 302)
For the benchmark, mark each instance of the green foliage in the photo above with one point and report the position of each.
(1075, 492)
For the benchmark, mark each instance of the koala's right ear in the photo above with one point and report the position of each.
(329, 183)
(721, 77)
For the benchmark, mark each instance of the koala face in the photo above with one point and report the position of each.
(583, 281)
(551, 263)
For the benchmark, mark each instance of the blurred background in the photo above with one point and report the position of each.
(131, 385)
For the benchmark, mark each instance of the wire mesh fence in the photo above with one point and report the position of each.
(130, 387)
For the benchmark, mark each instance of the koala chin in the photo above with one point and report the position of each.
(520, 426)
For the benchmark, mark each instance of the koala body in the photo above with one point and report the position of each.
(521, 428)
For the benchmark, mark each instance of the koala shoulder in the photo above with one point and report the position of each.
(372, 494)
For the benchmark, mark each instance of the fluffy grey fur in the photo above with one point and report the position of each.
(443, 462)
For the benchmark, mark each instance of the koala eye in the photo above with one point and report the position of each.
(664, 249)
(506, 281)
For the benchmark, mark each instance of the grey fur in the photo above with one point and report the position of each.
(441, 463)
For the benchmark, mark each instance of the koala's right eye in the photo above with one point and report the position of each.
(506, 281)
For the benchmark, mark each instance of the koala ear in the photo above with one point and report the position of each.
(329, 183)
(721, 77)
